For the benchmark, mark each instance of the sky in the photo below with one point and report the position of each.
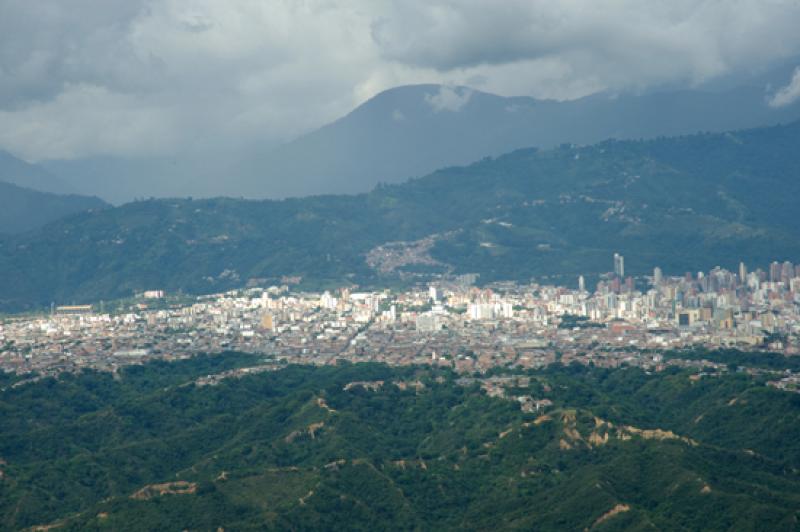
(147, 78)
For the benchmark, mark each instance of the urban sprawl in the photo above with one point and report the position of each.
(449, 322)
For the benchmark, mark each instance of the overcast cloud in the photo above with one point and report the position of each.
(152, 77)
(788, 94)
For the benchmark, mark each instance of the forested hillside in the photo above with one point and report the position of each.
(370, 447)
(685, 203)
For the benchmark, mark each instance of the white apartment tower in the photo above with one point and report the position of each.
(619, 265)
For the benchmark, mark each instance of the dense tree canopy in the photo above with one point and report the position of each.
(297, 448)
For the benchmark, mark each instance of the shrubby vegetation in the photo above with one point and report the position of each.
(570, 321)
(735, 358)
(293, 449)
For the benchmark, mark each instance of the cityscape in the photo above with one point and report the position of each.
(448, 323)
(407, 265)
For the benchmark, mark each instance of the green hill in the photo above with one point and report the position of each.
(300, 449)
(685, 203)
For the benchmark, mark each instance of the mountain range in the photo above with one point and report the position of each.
(33, 176)
(684, 203)
(411, 131)
(23, 209)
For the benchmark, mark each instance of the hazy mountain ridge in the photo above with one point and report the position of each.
(411, 131)
(684, 204)
(33, 176)
(22, 209)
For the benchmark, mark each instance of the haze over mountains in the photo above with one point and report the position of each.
(31, 197)
(712, 198)
(23, 209)
(32, 176)
(411, 131)
(682, 203)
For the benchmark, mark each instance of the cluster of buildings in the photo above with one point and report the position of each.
(452, 322)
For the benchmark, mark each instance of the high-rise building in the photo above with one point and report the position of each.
(742, 272)
(481, 311)
(581, 284)
(629, 284)
(433, 292)
(619, 265)
(775, 272)
(616, 285)
(787, 271)
(658, 276)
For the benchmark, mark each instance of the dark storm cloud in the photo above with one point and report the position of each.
(47, 44)
(618, 42)
(142, 78)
